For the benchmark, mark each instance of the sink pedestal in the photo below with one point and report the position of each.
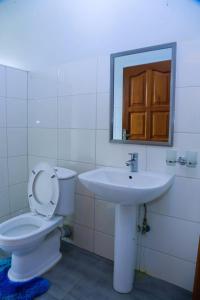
(125, 248)
(127, 190)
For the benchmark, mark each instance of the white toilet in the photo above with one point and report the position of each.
(33, 238)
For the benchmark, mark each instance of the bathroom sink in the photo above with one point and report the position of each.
(127, 190)
(124, 187)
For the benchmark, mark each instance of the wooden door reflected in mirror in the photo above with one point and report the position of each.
(142, 97)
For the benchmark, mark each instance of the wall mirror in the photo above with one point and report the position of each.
(142, 95)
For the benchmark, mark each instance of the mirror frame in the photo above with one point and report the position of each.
(172, 93)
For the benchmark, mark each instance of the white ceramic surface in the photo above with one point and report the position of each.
(29, 237)
(127, 190)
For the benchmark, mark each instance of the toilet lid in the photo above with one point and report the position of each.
(43, 190)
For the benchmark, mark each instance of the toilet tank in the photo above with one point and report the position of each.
(66, 180)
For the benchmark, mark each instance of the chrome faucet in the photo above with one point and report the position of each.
(133, 162)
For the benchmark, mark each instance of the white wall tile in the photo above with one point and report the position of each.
(187, 113)
(104, 216)
(42, 142)
(16, 81)
(83, 145)
(2, 112)
(17, 167)
(2, 81)
(172, 236)
(13, 147)
(17, 141)
(104, 245)
(42, 113)
(20, 212)
(42, 84)
(77, 111)
(187, 141)
(78, 77)
(169, 268)
(3, 173)
(4, 203)
(16, 113)
(103, 110)
(5, 218)
(188, 63)
(76, 145)
(34, 160)
(84, 237)
(181, 201)
(110, 154)
(84, 211)
(64, 144)
(18, 197)
(103, 74)
(3, 143)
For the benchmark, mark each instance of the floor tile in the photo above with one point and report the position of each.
(82, 275)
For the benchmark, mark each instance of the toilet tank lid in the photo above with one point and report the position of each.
(63, 173)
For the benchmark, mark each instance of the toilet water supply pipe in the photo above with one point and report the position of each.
(144, 228)
(67, 231)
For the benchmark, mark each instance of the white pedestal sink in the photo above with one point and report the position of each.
(127, 190)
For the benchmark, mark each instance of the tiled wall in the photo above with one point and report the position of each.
(68, 113)
(13, 145)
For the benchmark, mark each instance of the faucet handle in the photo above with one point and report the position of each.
(133, 155)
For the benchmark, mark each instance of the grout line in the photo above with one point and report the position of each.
(63, 96)
(105, 233)
(174, 217)
(168, 254)
(187, 86)
(186, 132)
(57, 115)
(105, 129)
(95, 147)
(15, 156)
(16, 98)
(73, 161)
(139, 210)
(20, 182)
(16, 127)
(93, 229)
(6, 110)
(27, 110)
(43, 98)
(14, 212)
(15, 68)
(64, 128)
(137, 243)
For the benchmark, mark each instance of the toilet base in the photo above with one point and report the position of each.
(44, 256)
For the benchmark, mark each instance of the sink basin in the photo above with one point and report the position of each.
(127, 190)
(124, 187)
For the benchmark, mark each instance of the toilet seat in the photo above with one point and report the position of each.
(24, 229)
(43, 190)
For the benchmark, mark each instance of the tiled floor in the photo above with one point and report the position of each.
(81, 275)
